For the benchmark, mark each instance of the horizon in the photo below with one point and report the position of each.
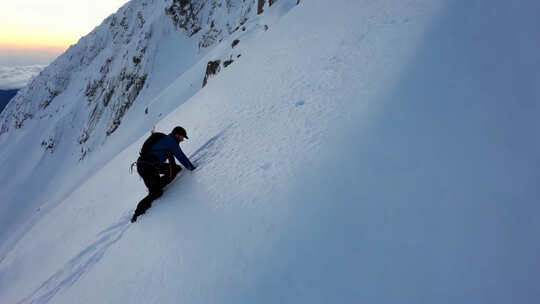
(36, 32)
(53, 24)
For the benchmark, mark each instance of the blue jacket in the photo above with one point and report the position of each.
(168, 144)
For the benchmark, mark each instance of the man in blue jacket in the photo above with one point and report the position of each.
(151, 165)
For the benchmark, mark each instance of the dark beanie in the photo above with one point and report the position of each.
(180, 131)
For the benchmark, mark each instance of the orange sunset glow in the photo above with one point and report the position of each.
(50, 25)
(39, 36)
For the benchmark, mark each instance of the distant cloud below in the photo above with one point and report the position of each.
(18, 76)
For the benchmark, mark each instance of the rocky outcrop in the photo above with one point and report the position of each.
(212, 68)
(212, 19)
(121, 77)
(186, 14)
(261, 3)
(113, 65)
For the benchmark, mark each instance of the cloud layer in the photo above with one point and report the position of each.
(17, 77)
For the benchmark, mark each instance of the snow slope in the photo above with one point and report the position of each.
(388, 154)
(106, 91)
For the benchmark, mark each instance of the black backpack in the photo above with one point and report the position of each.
(146, 150)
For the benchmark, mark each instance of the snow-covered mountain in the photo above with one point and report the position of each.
(107, 69)
(347, 151)
(100, 95)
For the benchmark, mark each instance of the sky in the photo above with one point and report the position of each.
(34, 32)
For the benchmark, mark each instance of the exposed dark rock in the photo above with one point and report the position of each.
(83, 138)
(133, 86)
(226, 63)
(111, 95)
(93, 87)
(140, 19)
(260, 6)
(210, 38)
(19, 121)
(106, 66)
(212, 68)
(48, 144)
(185, 15)
(107, 97)
(84, 152)
(235, 43)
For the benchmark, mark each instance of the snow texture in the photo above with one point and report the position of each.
(357, 151)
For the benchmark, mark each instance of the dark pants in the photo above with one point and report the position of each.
(151, 174)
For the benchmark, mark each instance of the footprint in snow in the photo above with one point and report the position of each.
(266, 166)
